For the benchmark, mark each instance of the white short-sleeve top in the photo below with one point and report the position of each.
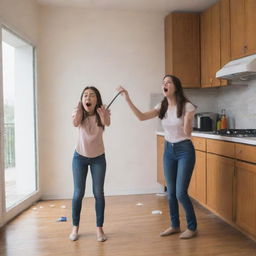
(174, 126)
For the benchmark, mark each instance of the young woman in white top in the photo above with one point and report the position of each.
(90, 116)
(176, 113)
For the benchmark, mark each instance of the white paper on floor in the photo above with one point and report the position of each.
(63, 207)
(139, 204)
(161, 194)
(156, 212)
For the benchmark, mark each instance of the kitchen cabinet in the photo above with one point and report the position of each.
(220, 173)
(245, 216)
(243, 27)
(245, 202)
(197, 187)
(220, 147)
(223, 180)
(246, 153)
(160, 151)
(215, 42)
(182, 48)
(228, 187)
(198, 181)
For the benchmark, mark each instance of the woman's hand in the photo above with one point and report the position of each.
(104, 115)
(124, 92)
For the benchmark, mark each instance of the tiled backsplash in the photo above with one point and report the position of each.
(239, 102)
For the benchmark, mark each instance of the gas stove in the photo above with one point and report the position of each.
(237, 132)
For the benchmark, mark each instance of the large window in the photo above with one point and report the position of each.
(19, 119)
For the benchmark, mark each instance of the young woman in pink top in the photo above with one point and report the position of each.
(90, 116)
(176, 113)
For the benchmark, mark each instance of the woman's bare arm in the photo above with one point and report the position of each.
(77, 115)
(188, 120)
(140, 115)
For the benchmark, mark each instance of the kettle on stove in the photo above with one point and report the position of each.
(205, 121)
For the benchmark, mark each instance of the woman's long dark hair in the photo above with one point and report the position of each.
(179, 96)
(98, 105)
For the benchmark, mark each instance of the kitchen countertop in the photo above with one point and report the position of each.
(244, 140)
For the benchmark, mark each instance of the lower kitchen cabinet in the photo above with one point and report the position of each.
(223, 181)
(246, 197)
(220, 173)
(197, 187)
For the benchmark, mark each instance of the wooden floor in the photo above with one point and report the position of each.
(132, 231)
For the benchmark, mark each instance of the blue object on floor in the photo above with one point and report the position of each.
(62, 219)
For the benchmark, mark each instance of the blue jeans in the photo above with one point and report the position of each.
(80, 169)
(179, 161)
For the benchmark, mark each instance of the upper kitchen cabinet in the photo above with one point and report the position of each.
(182, 48)
(215, 42)
(243, 27)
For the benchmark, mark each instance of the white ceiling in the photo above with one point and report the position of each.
(138, 5)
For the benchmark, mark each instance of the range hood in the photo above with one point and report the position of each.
(242, 69)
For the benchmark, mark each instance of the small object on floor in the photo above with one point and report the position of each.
(34, 208)
(62, 219)
(170, 231)
(73, 236)
(161, 194)
(41, 207)
(52, 205)
(156, 212)
(63, 207)
(187, 234)
(101, 238)
(139, 204)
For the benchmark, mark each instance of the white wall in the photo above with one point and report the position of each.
(21, 16)
(80, 47)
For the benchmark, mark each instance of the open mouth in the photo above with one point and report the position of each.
(165, 90)
(88, 104)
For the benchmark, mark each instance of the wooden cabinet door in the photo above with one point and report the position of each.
(243, 27)
(220, 172)
(246, 197)
(224, 35)
(215, 44)
(210, 46)
(205, 21)
(250, 26)
(182, 47)
(160, 151)
(197, 186)
(200, 168)
(237, 23)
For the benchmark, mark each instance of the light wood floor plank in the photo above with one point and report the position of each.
(131, 230)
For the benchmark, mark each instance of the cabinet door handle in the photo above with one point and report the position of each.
(245, 48)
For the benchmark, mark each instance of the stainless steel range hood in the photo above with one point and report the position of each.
(242, 69)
